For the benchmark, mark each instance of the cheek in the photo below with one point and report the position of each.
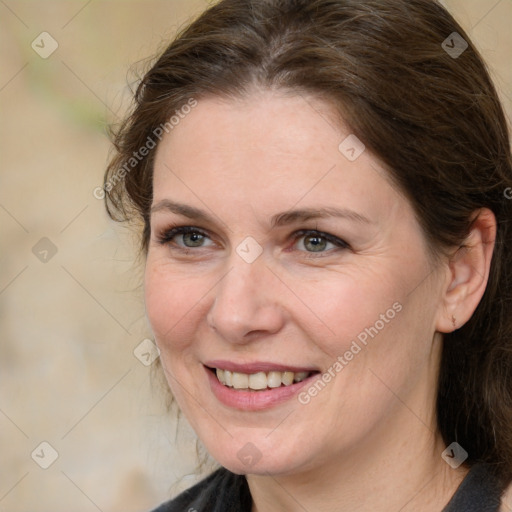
(348, 304)
(173, 304)
(386, 335)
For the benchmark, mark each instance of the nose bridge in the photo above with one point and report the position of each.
(238, 278)
(242, 287)
(243, 301)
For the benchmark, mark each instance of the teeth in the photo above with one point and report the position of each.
(274, 379)
(240, 380)
(260, 380)
(287, 378)
(300, 376)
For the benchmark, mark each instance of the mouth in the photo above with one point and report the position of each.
(259, 381)
(256, 386)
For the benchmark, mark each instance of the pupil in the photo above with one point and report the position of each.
(193, 239)
(317, 243)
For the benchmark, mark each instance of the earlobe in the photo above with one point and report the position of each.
(468, 272)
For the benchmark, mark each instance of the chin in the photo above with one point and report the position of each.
(257, 455)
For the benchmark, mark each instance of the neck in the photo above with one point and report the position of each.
(396, 469)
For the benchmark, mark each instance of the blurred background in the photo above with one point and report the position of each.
(83, 426)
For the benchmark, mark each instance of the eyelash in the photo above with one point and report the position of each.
(167, 237)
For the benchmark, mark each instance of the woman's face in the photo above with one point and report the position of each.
(295, 260)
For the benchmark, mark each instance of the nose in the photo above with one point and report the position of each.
(246, 306)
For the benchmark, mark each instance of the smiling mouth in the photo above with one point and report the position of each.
(259, 381)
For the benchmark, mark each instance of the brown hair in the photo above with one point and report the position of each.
(431, 116)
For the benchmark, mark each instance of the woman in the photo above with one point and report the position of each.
(328, 254)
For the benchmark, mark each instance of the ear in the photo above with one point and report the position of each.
(468, 273)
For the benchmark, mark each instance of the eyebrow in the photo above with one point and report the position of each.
(278, 220)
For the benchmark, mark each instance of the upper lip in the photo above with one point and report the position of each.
(257, 366)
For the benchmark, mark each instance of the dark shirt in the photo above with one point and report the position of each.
(224, 491)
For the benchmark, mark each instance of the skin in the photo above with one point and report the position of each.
(368, 440)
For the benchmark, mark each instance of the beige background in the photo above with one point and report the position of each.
(70, 325)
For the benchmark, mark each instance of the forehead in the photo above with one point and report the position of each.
(268, 151)
(261, 124)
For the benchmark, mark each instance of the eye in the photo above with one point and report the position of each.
(185, 237)
(313, 241)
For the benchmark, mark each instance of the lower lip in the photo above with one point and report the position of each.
(254, 400)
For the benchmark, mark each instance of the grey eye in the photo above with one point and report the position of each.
(193, 239)
(315, 243)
